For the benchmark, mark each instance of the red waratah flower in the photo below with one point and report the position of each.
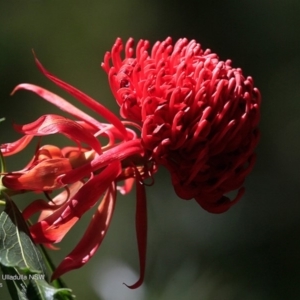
(196, 115)
(199, 115)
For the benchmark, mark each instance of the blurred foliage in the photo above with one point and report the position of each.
(250, 252)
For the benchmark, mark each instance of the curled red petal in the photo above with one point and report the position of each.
(37, 206)
(51, 124)
(42, 177)
(85, 99)
(117, 153)
(141, 228)
(93, 236)
(222, 205)
(61, 198)
(76, 206)
(59, 102)
(15, 147)
(53, 234)
(46, 208)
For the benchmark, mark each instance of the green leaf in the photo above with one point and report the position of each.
(17, 249)
(41, 290)
(16, 285)
(58, 282)
(21, 262)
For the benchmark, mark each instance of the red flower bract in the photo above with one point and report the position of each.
(199, 115)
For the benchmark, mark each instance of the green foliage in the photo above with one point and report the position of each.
(21, 261)
(17, 248)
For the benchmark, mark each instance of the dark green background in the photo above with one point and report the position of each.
(250, 252)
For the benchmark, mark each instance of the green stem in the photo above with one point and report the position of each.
(58, 283)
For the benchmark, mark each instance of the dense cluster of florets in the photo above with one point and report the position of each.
(199, 115)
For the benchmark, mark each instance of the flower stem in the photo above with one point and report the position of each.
(58, 283)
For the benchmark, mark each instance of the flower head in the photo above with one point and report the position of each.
(199, 115)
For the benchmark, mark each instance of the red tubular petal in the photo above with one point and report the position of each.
(61, 198)
(222, 205)
(47, 235)
(141, 228)
(118, 153)
(42, 177)
(115, 53)
(15, 147)
(76, 206)
(37, 206)
(93, 236)
(46, 208)
(51, 124)
(59, 102)
(85, 99)
(105, 65)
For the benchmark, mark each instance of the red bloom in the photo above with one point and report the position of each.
(197, 116)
